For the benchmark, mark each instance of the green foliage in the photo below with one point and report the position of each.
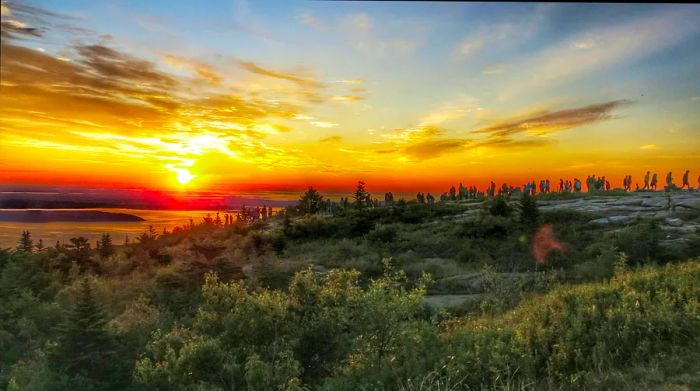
(314, 302)
(499, 207)
(529, 212)
(106, 247)
(85, 350)
(640, 242)
(310, 202)
(361, 196)
(25, 243)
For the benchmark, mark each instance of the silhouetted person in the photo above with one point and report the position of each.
(669, 180)
(646, 181)
(685, 180)
(654, 181)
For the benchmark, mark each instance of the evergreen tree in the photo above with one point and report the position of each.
(84, 346)
(106, 248)
(79, 251)
(499, 207)
(25, 243)
(529, 213)
(361, 195)
(310, 202)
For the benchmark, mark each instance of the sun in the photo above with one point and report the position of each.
(184, 176)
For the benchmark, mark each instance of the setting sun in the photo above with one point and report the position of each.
(184, 176)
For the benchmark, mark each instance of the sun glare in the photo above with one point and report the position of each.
(184, 176)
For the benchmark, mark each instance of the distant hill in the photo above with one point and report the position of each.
(47, 216)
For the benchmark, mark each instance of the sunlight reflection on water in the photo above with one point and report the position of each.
(62, 231)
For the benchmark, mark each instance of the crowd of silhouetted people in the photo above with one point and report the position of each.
(593, 183)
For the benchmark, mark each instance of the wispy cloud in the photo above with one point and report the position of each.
(431, 149)
(331, 139)
(365, 37)
(495, 69)
(255, 68)
(546, 122)
(309, 19)
(605, 47)
(204, 70)
(350, 81)
(509, 32)
(649, 146)
(451, 111)
(346, 98)
(324, 124)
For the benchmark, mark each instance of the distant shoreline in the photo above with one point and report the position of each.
(49, 216)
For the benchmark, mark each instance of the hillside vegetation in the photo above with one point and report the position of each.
(484, 294)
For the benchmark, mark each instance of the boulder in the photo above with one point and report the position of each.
(674, 222)
(613, 220)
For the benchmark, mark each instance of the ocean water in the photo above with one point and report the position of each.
(49, 233)
(62, 231)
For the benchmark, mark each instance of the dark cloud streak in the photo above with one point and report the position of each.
(548, 122)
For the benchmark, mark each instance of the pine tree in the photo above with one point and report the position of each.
(79, 251)
(310, 202)
(106, 247)
(84, 346)
(25, 243)
(360, 195)
(529, 213)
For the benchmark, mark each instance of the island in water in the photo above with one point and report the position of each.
(49, 216)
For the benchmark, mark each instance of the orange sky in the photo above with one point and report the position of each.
(337, 94)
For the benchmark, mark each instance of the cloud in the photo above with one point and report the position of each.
(308, 19)
(20, 21)
(11, 27)
(350, 81)
(101, 101)
(546, 122)
(302, 81)
(451, 111)
(586, 42)
(599, 49)
(495, 69)
(649, 147)
(508, 32)
(110, 63)
(429, 140)
(330, 139)
(205, 71)
(508, 143)
(346, 98)
(365, 37)
(430, 149)
(324, 124)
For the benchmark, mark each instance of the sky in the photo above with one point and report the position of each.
(236, 95)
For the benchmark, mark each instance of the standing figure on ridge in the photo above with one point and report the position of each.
(654, 181)
(646, 181)
(685, 180)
